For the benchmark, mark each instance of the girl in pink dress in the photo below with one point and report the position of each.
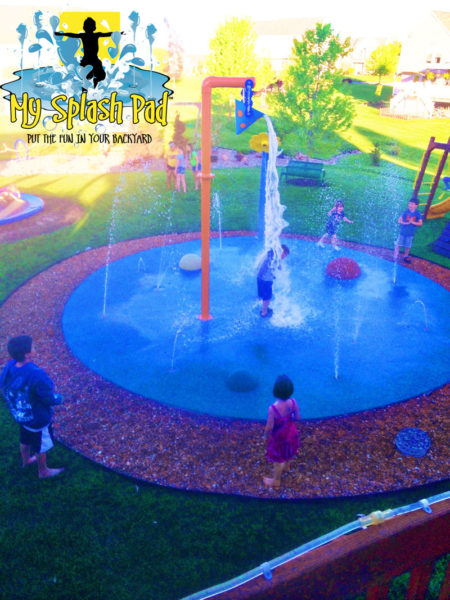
(280, 432)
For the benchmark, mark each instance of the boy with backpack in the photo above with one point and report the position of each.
(28, 391)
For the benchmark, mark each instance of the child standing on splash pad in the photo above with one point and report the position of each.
(409, 220)
(90, 49)
(266, 276)
(280, 431)
(335, 217)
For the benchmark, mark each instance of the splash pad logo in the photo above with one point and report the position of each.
(93, 79)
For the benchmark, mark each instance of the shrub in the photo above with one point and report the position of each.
(376, 155)
(393, 149)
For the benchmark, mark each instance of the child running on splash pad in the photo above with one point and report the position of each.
(409, 220)
(335, 217)
(280, 431)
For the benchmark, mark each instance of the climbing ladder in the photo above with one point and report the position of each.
(432, 145)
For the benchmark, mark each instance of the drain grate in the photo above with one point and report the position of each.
(413, 441)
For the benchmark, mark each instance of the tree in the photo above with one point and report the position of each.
(176, 61)
(232, 54)
(232, 49)
(384, 60)
(179, 128)
(312, 100)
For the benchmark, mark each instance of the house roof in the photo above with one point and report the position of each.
(444, 17)
(287, 27)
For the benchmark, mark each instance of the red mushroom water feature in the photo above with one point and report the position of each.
(343, 268)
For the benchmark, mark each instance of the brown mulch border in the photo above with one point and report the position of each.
(339, 456)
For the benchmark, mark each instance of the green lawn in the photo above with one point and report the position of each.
(374, 197)
(93, 534)
(96, 535)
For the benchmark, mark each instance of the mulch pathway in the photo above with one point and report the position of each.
(339, 456)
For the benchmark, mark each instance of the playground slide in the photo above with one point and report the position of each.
(439, 210)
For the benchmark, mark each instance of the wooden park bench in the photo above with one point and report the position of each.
(302, 172)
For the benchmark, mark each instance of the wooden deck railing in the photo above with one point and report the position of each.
(363, 562)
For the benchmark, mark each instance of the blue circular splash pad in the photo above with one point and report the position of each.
(348, 346)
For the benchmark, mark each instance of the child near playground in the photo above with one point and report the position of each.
(180, 171)
(280, 431)
(409, 220)
(195, 160)
(29, 393)
(266, 276)
(335, 216)
(171, 165)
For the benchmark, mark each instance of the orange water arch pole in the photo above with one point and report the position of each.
(207, 85)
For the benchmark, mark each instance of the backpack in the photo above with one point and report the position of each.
(17, 396)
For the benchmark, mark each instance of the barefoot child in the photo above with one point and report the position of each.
(280, 432)
(28, 390)
(194, 159)
(180, 180)
(266, 276)
(171, 165)
(335, 217)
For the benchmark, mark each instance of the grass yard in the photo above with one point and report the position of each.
(93, 534)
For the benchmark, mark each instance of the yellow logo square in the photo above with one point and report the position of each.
(106, 22)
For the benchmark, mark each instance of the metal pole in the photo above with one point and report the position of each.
(206, 176)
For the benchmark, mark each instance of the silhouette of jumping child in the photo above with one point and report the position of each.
(90, 49)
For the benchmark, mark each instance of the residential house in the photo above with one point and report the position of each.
(275, 38)
(424, 68)
(355, 62)
(427, 47)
